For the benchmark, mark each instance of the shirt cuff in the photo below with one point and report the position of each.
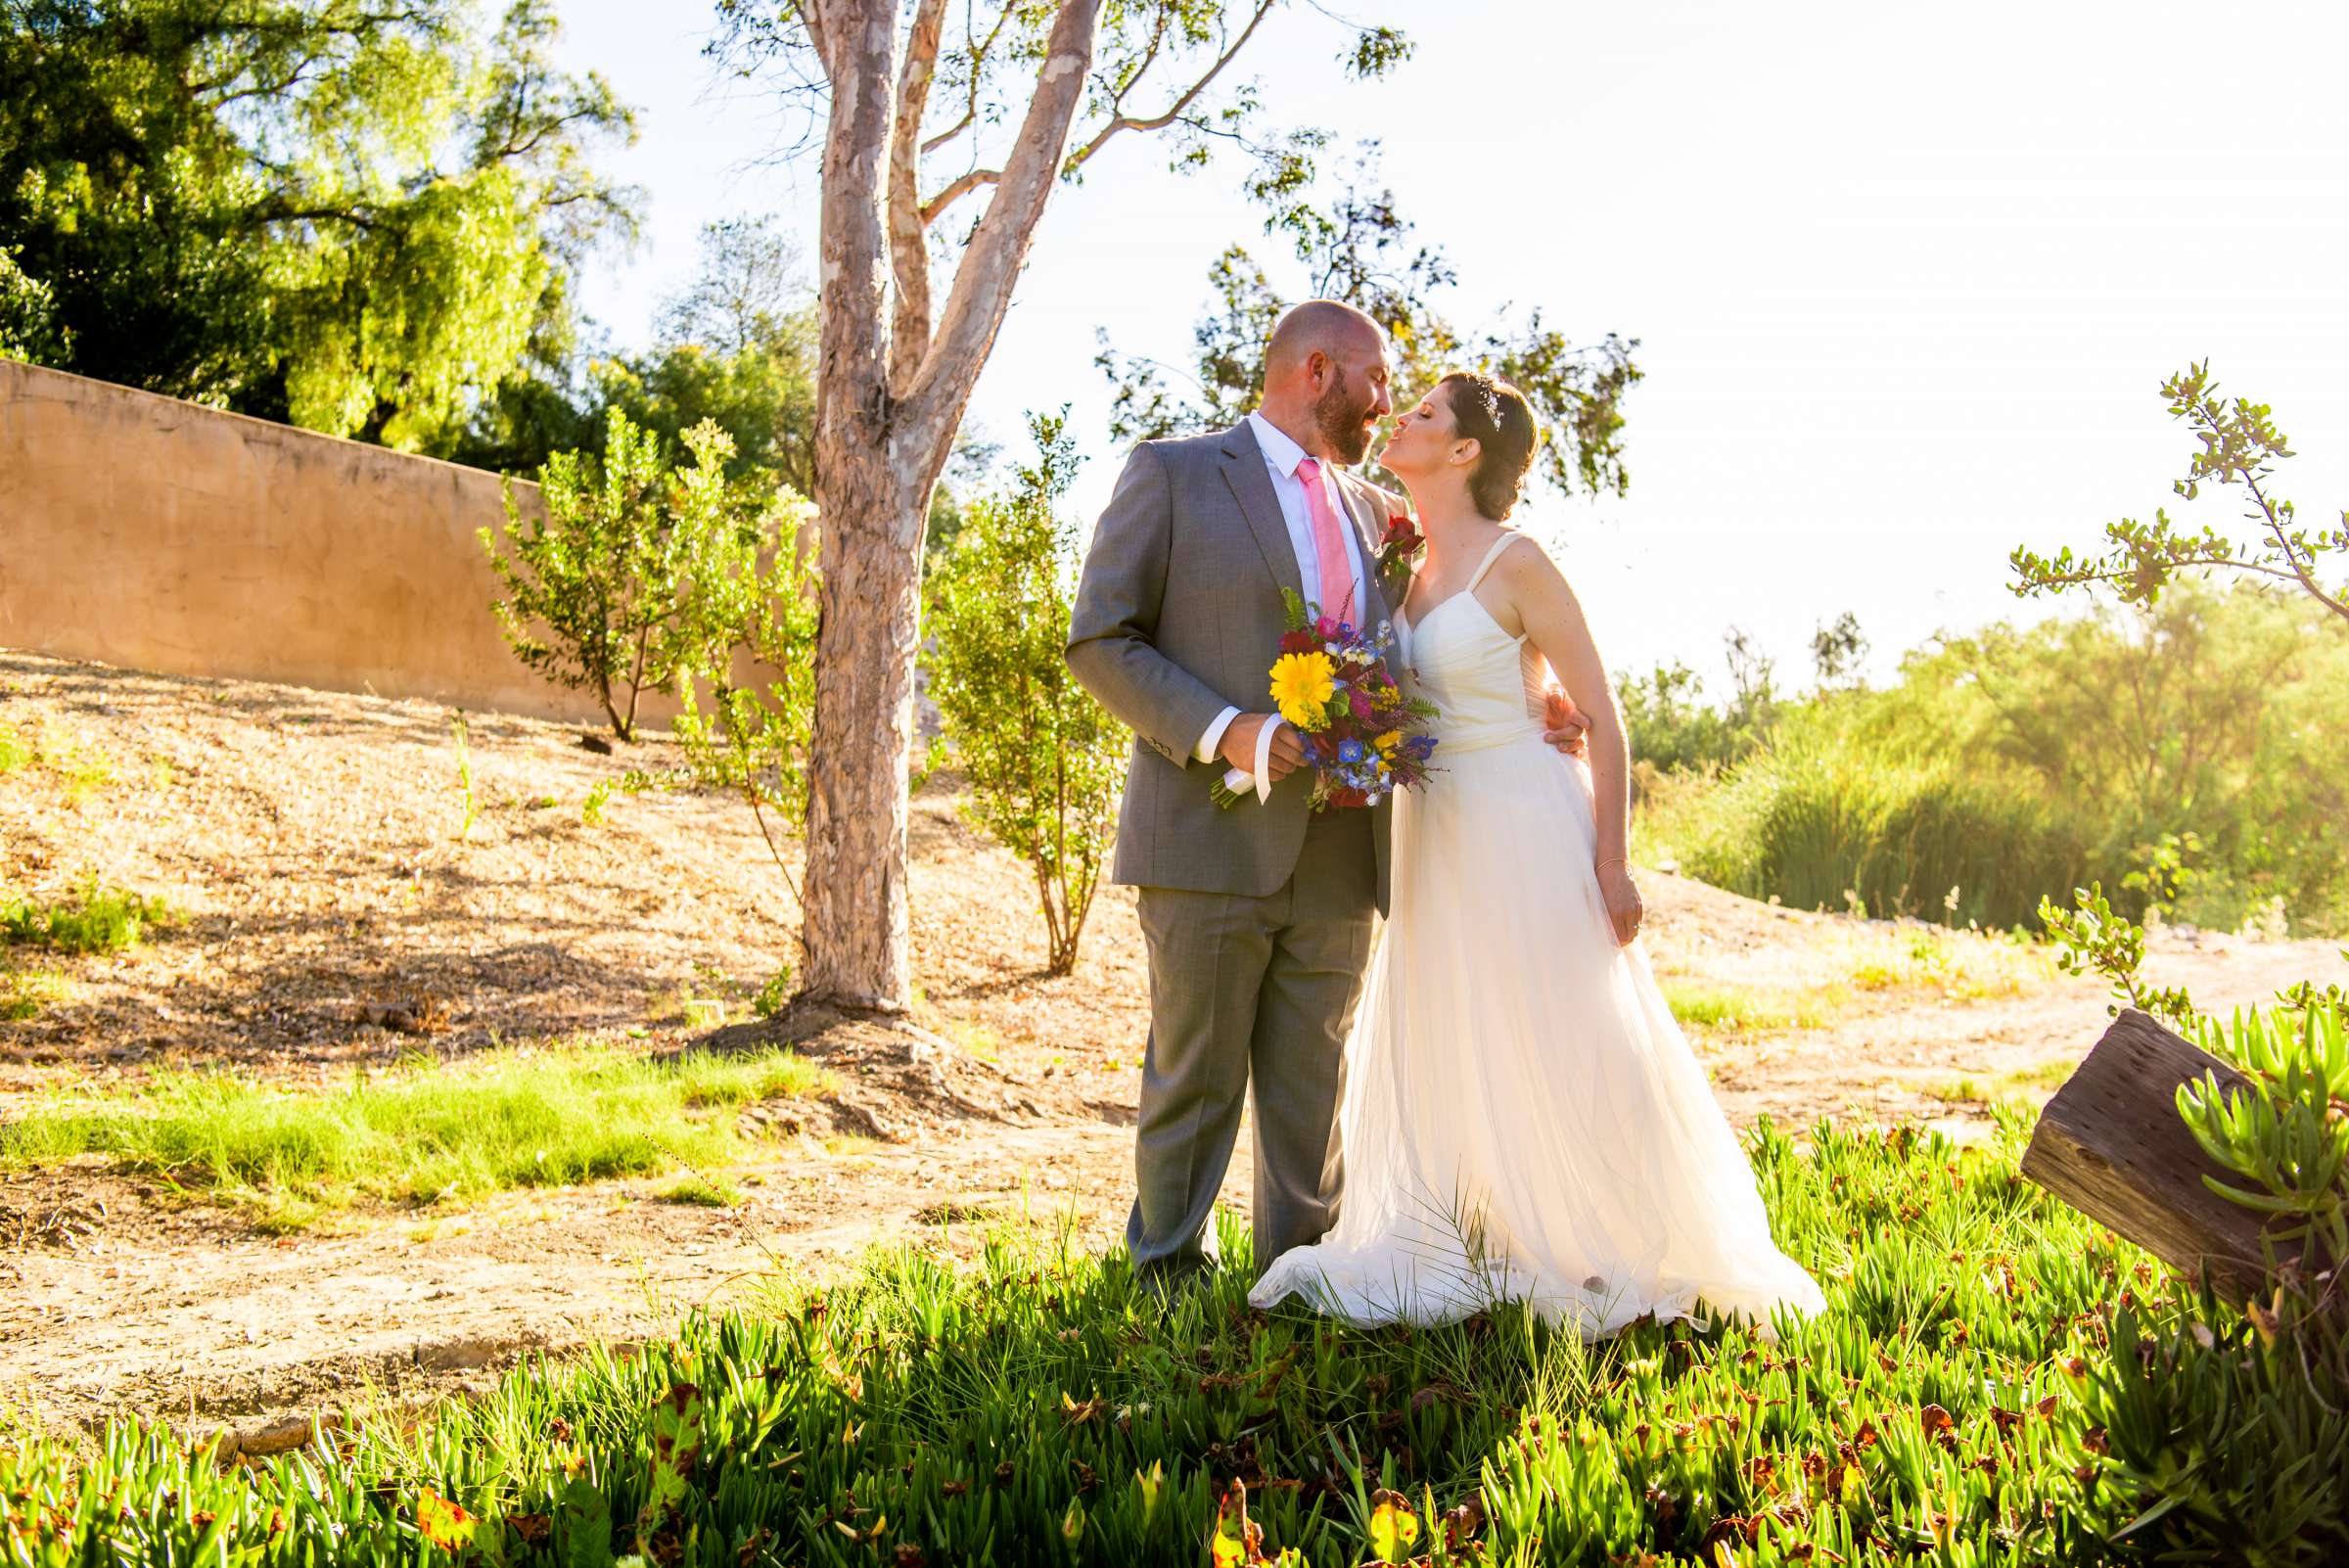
(1205, 751)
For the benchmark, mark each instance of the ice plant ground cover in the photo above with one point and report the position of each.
(1039, 1407)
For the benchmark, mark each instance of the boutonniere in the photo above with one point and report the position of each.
(1398, 549)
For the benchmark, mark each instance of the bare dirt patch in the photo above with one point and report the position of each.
(313, 842)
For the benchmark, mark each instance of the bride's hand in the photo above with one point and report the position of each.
(1624, 906)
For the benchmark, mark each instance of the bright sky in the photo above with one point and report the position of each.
(1907, 278)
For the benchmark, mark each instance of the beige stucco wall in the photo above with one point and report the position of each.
(145, 531)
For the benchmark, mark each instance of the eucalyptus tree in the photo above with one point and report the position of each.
(1357, 246)
(925, 110)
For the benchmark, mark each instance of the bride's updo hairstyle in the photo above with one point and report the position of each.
(1496, 417)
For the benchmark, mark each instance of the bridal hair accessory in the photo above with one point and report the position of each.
(1363, 738)
(1488, 394)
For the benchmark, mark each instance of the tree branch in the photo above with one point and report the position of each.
(934, 208)
(975, 57)
(263, 216)
(949, 134)
(990, 262)
(853, 262)
(2291, 555)
(815, 16)
(908, 239)
(1120, 120)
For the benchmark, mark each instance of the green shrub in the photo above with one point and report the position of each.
(628, 581)
(752, 741)
(89, 919)
(774, 993)
(1044, 758)
(1673, 729)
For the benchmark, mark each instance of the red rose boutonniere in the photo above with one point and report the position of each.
(1397, 550)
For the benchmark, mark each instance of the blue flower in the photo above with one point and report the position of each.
(1349, 751)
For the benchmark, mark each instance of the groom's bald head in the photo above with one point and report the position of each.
(1325, 379)
(1331, 328)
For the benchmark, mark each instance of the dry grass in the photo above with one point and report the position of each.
(310, 840)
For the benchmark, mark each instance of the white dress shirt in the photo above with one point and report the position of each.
(1281, 457)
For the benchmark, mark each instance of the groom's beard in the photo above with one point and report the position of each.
(1342, 418)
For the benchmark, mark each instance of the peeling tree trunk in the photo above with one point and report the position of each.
(857, 806)
(890, 397)
(855, 893)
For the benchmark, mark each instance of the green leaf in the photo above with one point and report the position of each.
(1150, 1484)
(586, 1515)
(676, 1435)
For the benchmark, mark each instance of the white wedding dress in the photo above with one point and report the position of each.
(1523, 1119)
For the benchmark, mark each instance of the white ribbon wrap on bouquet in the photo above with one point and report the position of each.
(1237, 781)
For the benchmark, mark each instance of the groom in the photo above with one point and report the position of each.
(1258, 918)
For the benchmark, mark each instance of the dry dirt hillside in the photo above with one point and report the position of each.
(337, 912)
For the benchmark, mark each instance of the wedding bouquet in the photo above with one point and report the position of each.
(1362, 736)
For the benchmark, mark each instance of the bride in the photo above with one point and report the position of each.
(1523, 1120)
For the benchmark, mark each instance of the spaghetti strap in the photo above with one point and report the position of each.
(1491, 556)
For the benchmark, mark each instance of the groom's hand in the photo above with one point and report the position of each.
(1238, 747)
(1563, 723)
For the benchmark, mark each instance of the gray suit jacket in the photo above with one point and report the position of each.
(1179, 613)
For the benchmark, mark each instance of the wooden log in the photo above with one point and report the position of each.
(2112, 1145)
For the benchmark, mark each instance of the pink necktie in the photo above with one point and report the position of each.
(1329, 544)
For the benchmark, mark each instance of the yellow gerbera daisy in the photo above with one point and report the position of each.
(1387, 743)
(1301, 685)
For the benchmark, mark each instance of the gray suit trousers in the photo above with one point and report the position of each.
(1251, 991)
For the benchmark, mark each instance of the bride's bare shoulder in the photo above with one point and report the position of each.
(1525, 564)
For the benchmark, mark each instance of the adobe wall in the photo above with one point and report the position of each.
(145, 531)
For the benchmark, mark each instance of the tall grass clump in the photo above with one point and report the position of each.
(1043, 1406)
(2185, 755)
(23, 993)
(423, 1132)
(89, 919)
(1818, 824)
